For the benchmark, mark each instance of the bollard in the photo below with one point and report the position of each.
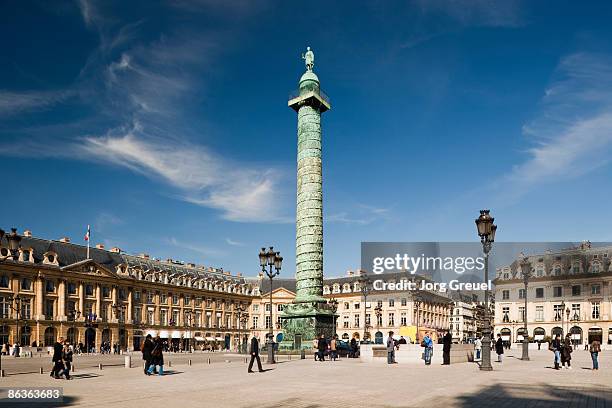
(128, 361)
(2, 374)
(41, 370)
(189, 362)
(100, 366)
(73, 368)
(208, 360)
(245, 360)
(289, 357)
(169, 363)
(303, 354)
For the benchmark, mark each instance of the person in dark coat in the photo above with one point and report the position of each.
(67, 357)
(353, 348)
(146, 349)
(499, 348)
(255, 355)
(157, 356)
(556, 346)
(322, 346)
(447, 340)
(58, 362)
(566, 352)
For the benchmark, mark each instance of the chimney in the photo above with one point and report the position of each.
(190, 265)
(27, 233)
(116, 250)
(239, 274)
(65, 239)
(169, 260)
(100, 246)
(350, 273)
(143, 256)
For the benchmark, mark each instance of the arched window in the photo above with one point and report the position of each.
(49, 336)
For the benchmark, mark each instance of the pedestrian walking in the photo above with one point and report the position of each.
(555, 347)
(146, 349)
(157, 357)
(566, 352)
(58, 363)
(333, 348)
(322, 346)
(427, 343)
(595, 349)
(315, 347)
(478, 347)
(391, 349)
(67, 357)
(447, 341)
(499, 348)
(255, 355)
(353, 347)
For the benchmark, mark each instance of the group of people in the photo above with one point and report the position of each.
(153, 355)
(105, 348)
(325, 347)
(62, 359)
(563, 349)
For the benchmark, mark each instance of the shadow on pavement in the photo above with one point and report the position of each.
(542, 396)
(67, 401)
(171, 372)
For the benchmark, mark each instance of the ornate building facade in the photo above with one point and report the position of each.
(570, 291)
(51, 289)
(383, 311)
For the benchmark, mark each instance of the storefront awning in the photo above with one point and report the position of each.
(198, 338)
(219, 339)
(505, 338)
(210, 338)
(153, 333)
(176, 334)
(539, 337)
(187, 335)
(164, 334)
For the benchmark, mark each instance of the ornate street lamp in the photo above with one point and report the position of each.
(13, 239)
(274, 262)
(486, 232)
(364, 287)
(417, 303)
(333, 304)
(526, 270)
(74, 316)
(378, 313)
(118, 311)
(187, 322)
(242, 320)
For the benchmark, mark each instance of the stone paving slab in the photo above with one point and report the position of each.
(310, 384)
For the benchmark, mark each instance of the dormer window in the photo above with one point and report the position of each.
(50, 258)
(25, 255)
(557, 270)
(595, 267)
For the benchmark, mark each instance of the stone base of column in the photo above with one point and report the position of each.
(300, 331)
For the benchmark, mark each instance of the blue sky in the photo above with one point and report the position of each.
(165, 125)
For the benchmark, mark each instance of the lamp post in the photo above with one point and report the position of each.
(187, 316)
(378, 313)
(74, 315)
(333, 304)
(240, 310)
(417, 304)
(486, 232)
(364, 287)
(274, 262)
(527, 273)
(13, 239)
(118, 312)
(567, 320)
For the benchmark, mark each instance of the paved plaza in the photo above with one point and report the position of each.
(306, 383)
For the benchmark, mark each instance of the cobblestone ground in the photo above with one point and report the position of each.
(306, 383)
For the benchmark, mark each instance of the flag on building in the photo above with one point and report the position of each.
(87, 234)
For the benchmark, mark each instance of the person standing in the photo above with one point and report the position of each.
(315, 347)
(499, 348)
(353, 348)
(322, 345)
(447, 341)
(478, 347)
(428, 345)
(58, 363)
(146, 349)
(157, 357)
(595, 349)
(255, 355)
(67, 357)
(332, 348)
(390, 349)
(555, 347)
(566, 352)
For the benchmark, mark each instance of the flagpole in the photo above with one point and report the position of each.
(88, 239)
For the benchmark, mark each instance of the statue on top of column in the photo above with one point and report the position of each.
(308, 59)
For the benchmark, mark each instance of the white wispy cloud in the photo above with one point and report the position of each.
(240, 192)
(233, 243)
(18, 102)
(572, 135)
(507, 13)
(361, 214)
(197, 248)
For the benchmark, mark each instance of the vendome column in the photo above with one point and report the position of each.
(308, 316)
